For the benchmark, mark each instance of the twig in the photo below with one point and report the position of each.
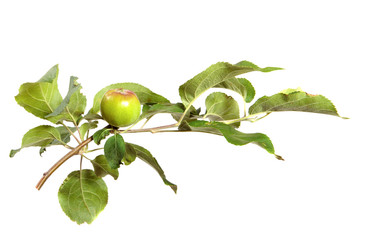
(77, 149)
(152, 130)
(73, 152)
(191, 131)
(71, 132)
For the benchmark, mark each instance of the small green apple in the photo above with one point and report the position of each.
(120, 107)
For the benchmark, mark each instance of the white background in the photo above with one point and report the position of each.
(224, 191)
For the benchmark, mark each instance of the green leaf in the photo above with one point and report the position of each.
(236, 137)
(144, 94)
(240, 85)
(92, 116)
(102, 168)
(83, 196)
(51, 75)
(294, 100)
(291, 90)
(184, 126)
(64, 135)
(73, 87)
(100, 135)
(40, 136)
(220, 106)
(147, 157)
(85, 127)
(114, 150)
(43, 97)
(257, 68)
(175, 109)
(213, 76)
(130, 154)
(150, 110)
(42, 150)
(13, 152)
(72, 106)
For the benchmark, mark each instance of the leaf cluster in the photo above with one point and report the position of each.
(83, 194)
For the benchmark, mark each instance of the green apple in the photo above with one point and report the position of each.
(120, 107)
